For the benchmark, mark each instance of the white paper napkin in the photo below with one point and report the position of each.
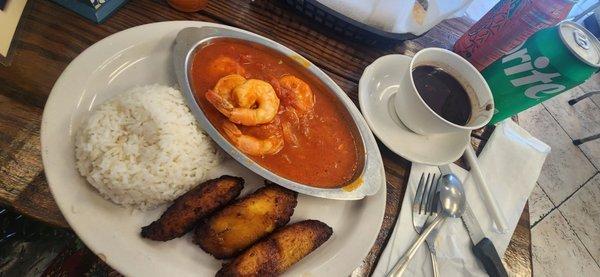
(510, 162)
(397, 16)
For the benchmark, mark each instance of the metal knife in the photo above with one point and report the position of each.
(483, 247)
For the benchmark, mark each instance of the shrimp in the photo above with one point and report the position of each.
(296, 93)
(252, 103)
(225, 85)
(255, 93)
(252, 145)
(224, 65)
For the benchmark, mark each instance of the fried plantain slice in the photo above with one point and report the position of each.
(279, 251)
(239, 225)
(190, 207)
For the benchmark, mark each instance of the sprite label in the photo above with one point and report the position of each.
(540, 68)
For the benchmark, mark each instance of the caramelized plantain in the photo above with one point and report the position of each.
(190, 207)
(278, 252)
(242, 223)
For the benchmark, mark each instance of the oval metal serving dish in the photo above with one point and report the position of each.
(368, 178)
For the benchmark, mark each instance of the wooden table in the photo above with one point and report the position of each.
(49, 37)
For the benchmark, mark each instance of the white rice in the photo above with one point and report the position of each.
(144, 148)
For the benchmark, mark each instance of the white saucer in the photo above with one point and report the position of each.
(377, 87)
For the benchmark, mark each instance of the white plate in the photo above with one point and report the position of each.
(378, 84)
(139, 56)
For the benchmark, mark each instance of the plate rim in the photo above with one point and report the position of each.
(51, 105)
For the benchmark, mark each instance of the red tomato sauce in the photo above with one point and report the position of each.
(326, 152)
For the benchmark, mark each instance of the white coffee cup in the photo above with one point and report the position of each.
(420, 118)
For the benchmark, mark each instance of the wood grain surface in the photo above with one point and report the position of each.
(50, 36)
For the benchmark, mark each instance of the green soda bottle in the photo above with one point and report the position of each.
(551, 61)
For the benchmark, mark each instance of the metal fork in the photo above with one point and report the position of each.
(425, 205)
(420, 221)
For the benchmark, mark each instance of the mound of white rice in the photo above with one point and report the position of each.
(144, 148)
